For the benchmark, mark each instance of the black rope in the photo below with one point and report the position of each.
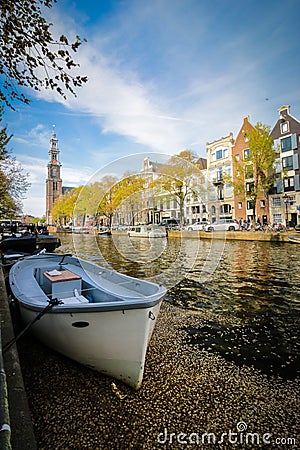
(53, 302)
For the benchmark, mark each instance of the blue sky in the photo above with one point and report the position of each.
(164, 76)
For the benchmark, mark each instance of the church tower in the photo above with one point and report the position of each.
(53, 181)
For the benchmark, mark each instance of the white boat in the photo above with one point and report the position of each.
(149, 231)
(103, 319)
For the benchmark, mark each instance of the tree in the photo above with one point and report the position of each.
(257, 167)
(180, 178)
(63, 207)
(30, 56)
(106, 204)
(13, 183)
(128, 194)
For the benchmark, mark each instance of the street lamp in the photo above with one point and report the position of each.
(286, 202)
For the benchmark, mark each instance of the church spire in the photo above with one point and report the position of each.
(53, 181)
(53, 149)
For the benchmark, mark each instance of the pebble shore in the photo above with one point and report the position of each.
(189, 398)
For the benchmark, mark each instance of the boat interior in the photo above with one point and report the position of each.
(81, 286)
(71, 290)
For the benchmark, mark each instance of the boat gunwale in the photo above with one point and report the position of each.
(121, 303)
(86, 308)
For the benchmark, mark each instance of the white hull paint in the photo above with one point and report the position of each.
(108, 336)
(114, 343)
(147, 231)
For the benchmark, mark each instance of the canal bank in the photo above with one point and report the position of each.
(16, 430)
(263, 236)
(251, 235)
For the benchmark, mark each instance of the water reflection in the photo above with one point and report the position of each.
(255, 283)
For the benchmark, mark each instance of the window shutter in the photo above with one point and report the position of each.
(278, 166)
(276, 144)
(295, 162)
(294, 141)
(279, 186)
(297, 183)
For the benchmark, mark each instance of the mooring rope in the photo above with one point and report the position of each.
(53, 302)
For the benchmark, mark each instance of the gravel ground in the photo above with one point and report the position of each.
(189, 398)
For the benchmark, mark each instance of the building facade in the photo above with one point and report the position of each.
(53, 181)
(219, 167)
(243, 205)
(285, 194)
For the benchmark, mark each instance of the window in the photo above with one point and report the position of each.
(220, 173)
(276, 202)
(228, 190)
(213, 210)
(287, 163)
(212, 194)
(286, 144)
(219, 154)
(240, 205)
(277, 218)
(250, 204)
(291, 199)
(284, 127)
(288, 184)
(247, 153)
(227, 169)
(225, 209)
(249, 171)
(249, 187)
(220, 194)
(262, 203)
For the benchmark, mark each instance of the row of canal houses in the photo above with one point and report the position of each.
(280, 206)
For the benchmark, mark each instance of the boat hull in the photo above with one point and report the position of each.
(109, 331)
(30, 243)
(147, 231)
(112, 342)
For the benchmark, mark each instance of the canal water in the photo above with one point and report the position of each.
(250, 291)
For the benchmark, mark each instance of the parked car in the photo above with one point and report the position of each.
(223, 225)
(197, 226)
(169, 223)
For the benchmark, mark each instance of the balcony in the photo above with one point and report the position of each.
(218, 180)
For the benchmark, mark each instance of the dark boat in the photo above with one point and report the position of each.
(29, 243)
(104, 231)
